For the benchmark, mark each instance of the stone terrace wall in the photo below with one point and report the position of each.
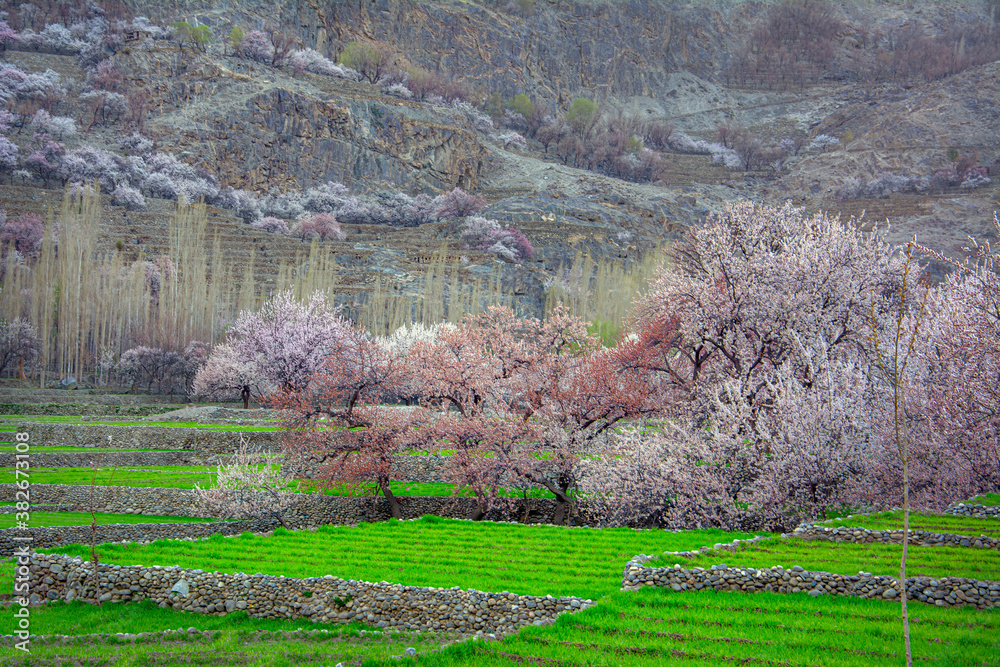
(311, 510)
(944, 592)
(42, 459)
(201, 441)
(424, 468)
(978, 511)
(330, 599)
(868, 536)
(44, 538)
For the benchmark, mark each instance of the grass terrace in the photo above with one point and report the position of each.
(936, 523)
(988, 499)
(186, 477)
(535, 560)
(653, 627)
(234, 639)
(845, 558)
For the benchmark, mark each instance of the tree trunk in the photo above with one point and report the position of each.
(397, 513)
(20, 369)
(902, 564)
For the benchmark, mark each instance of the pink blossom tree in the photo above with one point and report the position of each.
(288, 341)
(338, 426)
(225, 375)
(459, 204)
(7, 36)
(322, 226)
(25, 232)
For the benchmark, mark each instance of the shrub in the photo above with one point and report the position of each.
(459, 204)
(256, 46)
(310, 60)
(320, 226)
(129, 197)
(272, 225)
(369, 60)
(25, 232)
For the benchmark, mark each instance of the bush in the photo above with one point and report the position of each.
(129, 197)
(272, 225)
(320, 226)
(370, 60)
(25, 232)
(459, 204)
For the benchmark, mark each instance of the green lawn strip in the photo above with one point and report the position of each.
(935, 523)
(186, 477)
(237, 639)
(845, 558)
(46, 519)
(988, 499)
(536, 560)
(656, 626)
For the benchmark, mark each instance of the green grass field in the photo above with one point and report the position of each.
(186, 477)
(236, 639)
(535, 560)
(937, 523)
(936, 561)
(988, 499)
(658, 627)
(44, 519)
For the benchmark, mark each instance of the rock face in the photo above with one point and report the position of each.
(259, 128)
(326, 599)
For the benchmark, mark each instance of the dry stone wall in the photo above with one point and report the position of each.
(84, 459)
(327, 599)
(978, 511)
(45, 538)
(943, 592)
(201, 441)
(868, 536)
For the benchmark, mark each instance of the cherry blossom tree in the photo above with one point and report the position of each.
(250, 485)
(338, 427)
(459, 204)
(320, 226)
(18, 342)
(749, 339)
(288, 341)
(225, 374)
(25, 232)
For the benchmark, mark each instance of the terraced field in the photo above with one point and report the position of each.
(931, 561)
(528, 560)
(936, 523)
(652, 627)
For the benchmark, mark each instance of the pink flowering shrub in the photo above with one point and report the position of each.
(272, 225)
(25, 232)
(322, 226)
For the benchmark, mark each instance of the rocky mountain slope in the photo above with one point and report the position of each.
(263, 128)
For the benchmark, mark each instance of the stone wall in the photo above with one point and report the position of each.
(201, 441)
(311, 510)
(868, 536)
(978, 511)
(44, 538)
(84, 459)
(327, 599)
(424, 468)
(944, 592)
